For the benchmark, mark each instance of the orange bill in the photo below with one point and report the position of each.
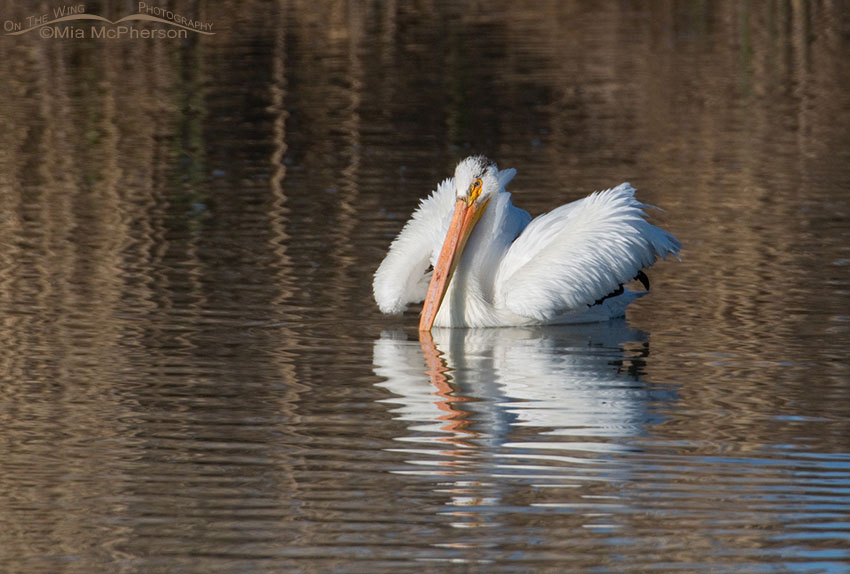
(466, 215)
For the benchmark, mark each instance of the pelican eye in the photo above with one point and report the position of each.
(475, 190)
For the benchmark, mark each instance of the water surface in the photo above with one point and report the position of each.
(195, 378)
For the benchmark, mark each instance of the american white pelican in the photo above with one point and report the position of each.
(478, 261)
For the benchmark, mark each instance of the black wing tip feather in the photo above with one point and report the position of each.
(641, 276)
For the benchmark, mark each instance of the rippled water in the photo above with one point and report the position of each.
(195, 378)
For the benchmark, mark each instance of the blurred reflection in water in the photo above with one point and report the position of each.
(545, 406)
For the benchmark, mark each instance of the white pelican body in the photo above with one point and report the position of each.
(494, 266)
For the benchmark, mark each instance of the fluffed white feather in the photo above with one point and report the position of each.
(572, 256)
(401, 278)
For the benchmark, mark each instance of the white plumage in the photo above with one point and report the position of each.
(515, 270)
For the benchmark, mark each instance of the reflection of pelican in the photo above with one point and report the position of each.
(489, 409)
(566, 266)
(487, 383)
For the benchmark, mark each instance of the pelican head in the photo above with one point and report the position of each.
(476, 181)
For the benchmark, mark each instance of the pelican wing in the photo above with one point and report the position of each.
(572, 256)
(402, 278)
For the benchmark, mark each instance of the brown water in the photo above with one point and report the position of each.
(195, 378)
